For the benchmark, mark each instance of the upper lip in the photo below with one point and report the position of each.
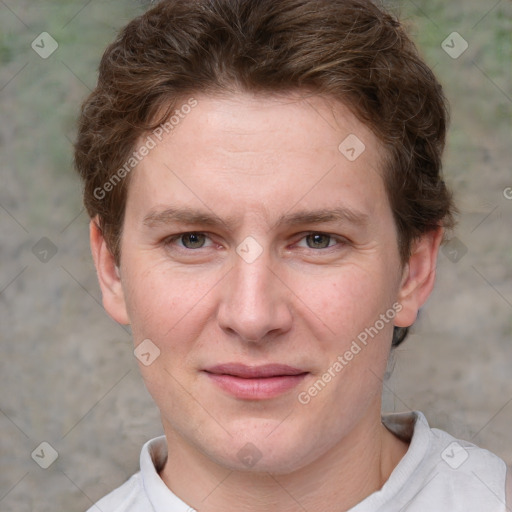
(254, 372)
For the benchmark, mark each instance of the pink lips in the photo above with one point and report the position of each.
(255, 382)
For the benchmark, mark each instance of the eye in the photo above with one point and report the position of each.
(318, 241)
(192, 240)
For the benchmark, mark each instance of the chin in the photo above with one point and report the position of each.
(260, 449)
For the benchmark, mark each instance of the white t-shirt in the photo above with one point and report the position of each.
(437, 474)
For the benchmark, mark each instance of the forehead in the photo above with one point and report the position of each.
(262, 154)
(272, 124)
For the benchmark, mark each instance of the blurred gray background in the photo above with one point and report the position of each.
(67, 372)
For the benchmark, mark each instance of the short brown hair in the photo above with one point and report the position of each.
(348, 50)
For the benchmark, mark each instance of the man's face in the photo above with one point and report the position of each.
(250, 239)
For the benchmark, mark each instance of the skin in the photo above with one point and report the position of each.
(249, 160)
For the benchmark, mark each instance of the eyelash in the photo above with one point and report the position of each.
(340, 240)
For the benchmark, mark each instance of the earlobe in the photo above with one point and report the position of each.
(419, 276)
(109, 276)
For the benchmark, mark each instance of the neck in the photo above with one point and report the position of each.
(349, 472)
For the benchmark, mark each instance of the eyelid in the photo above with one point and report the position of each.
(301, 236)
(340, 239)
(170, 239)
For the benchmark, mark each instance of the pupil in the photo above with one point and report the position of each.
(193, 240)
(319, 241)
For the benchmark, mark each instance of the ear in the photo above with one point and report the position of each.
(108, 275)
(418, 277)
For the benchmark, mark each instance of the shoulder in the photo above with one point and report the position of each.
(444, 472)
(129, 497)
(471, 477)
(459, 457)
(509, 488)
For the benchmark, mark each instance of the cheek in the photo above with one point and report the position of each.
(163, 303)
(349, 300)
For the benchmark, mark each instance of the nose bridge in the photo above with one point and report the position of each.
(253, 281)
(254, 302)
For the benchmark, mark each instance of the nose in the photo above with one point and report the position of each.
(255, 302)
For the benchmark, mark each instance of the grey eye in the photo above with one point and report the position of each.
(193, 240)
(318, 241)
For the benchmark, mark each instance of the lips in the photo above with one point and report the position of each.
(254, 372)
(255, 382)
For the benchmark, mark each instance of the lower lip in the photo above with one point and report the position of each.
(256, 389)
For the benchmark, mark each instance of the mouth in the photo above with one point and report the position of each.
(255, 382)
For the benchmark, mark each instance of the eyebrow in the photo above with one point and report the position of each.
(325, 215)
(207, 218)
(185, 216)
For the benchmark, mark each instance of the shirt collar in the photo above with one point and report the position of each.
(152, 459)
